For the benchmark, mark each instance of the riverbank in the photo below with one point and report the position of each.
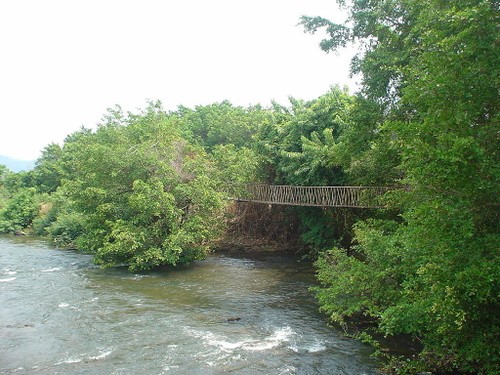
(248, 245)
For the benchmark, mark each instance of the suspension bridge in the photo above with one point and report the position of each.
(316, 196)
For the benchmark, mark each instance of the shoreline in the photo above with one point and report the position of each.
(253, 247)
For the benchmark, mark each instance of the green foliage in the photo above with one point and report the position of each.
(221, 124)
(382, 29)
(59, 220)
(66, 229)
(142, 195)
(4, 194)
(317, 228)
(334, 140)
(144, 190)
(4, 170)
(439, 292)
(19, 211)
(432, 68)
(365, 282)
(13, 182)
(367, 150)
(303, 146)
(48, 170)
(236, 166)
(297, 151)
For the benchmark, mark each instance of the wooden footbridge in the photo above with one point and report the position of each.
(318, 196)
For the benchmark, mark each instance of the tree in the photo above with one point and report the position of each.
(4, 172)
(288, 146)
(432, 66)
(19, 211)
(304, 147)
(145, 196)
(236, 165)
(221, 123)
(48, 170)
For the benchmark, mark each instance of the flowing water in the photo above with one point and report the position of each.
(60, 314)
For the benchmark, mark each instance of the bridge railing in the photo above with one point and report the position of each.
(320, 196)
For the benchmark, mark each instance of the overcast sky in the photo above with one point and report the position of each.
(63, 62)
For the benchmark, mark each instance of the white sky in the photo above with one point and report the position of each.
(63, 62)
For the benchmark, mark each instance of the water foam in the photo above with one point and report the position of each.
(84, 358)
(316, 348)
(287, 370)
(52, 269)
(8, 271)
(170, 367)
(69, 361)
(100, 356)
(278, 337)
(7, 280)
(213, 340)
(139, 277)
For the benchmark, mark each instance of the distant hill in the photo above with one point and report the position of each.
(16, 165)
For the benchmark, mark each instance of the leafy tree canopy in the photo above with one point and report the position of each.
(431, 66)
(146, 194)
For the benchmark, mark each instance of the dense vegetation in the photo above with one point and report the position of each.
(142, 190)
(433, 68)
(145, 190)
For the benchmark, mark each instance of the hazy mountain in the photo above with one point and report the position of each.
(16, 165)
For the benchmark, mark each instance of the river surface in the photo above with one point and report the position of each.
(60, 314)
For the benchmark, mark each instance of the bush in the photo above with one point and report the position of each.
(19, 211)
(66, 229)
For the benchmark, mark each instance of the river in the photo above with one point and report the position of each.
(60, 314)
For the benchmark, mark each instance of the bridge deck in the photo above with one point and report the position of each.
(319, 196)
